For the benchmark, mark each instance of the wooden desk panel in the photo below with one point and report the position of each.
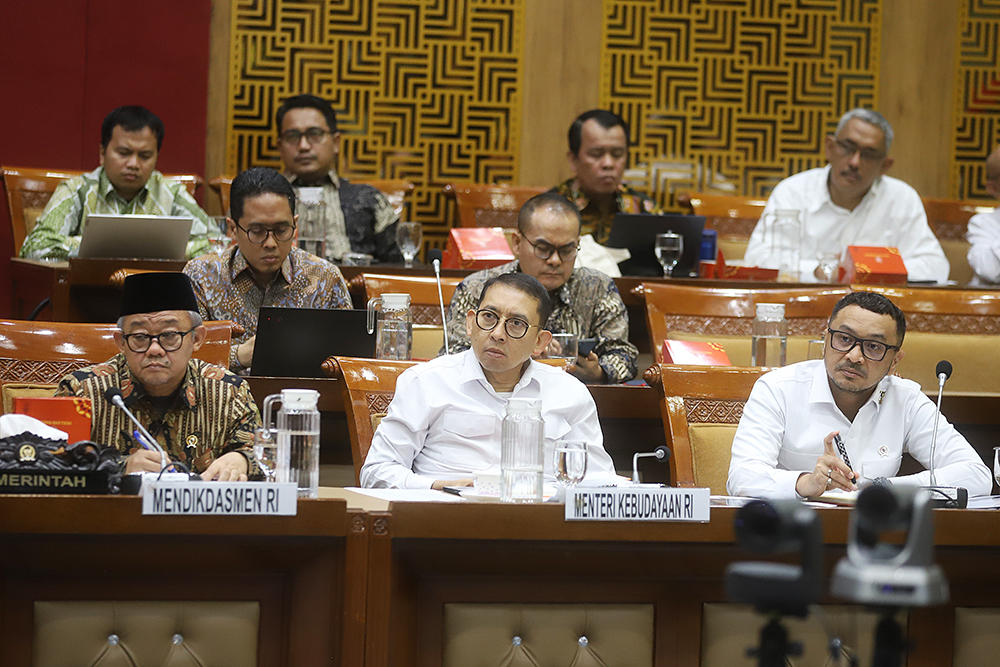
(102, 548)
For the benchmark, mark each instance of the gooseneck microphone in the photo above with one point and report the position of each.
(661, 454)
(943, 496)
(114, 396)
(435, 257)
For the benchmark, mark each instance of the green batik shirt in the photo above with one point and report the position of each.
(57, 233)
(597, 222)
(212, 413)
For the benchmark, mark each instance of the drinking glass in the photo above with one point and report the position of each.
(265, 449)
(408, 236)
(996, 464)
(218, 242)
(563, 346)
(826, 266)
(668, 249)
(570, 462)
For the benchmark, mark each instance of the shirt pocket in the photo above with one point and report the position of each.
(468, 425)
(556, 428)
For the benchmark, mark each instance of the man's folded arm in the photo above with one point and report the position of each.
(984, 255)
(48, 239)
(398, 439)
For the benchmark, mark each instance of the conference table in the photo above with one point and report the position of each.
(352, 580)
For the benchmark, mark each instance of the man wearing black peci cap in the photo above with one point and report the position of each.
(202, 415)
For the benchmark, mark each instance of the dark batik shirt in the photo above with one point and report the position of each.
(597, 222)
(212, 413)
(588, 305)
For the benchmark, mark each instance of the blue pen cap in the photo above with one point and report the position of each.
(708, 245)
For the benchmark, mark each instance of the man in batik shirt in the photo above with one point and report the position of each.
(585, 302)
(263, 268)
(598, 151)
(201, 415)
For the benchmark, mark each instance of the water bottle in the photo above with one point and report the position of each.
(298, 438)
(394, 331)
(522, 438)
(769, 339)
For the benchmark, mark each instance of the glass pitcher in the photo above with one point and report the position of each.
(394, 330)
(298, 438)
(785, 242)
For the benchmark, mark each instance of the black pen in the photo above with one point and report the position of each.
(452, 490)
(837, 440)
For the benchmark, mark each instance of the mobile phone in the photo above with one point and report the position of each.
(585, 346)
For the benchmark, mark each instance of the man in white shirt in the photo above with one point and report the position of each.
(851, 202)
(786, 445)
(443, 424)
(984, 231)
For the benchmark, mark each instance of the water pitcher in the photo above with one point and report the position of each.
(298, 438)
(390, 320)
(522, 441)
(785, 243)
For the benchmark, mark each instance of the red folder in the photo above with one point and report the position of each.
(66, 413)
(476, 248)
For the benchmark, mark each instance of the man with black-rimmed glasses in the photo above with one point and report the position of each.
(443, 424)
(201, 415)
(263, 267)
(585, 302)
(846, 420)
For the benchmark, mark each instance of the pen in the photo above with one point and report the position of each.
(452, 490)
(837, 440)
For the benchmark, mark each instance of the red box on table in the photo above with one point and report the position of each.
(869, 265)
(720, 270)
(694, 353)
(67, 413)
(476, 248)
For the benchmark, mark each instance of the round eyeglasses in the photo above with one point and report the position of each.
(544, 249)
(872, 350)
(170, 341)
(848, 148)
(258, 233)
(515, 327)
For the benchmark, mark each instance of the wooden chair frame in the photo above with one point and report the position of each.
(731, 216)
(944, 310)
(697, 394)
(488, 205)
(422, 290)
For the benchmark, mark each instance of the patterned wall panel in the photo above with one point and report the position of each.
(977, 97)
(425, 90)
(734, 95)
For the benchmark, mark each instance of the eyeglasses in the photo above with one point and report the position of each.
(515, 327)
(544, 249)
(313, 135)
(848, 148)
(872, 350)
(258, 233)
(170, 341)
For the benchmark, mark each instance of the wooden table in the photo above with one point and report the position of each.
(102, 548)
(425, 555)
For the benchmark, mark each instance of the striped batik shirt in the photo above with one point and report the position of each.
(212, 413)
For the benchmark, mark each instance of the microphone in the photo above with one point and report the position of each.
(435, 257)
(114, 396)
(661, 454)
(943, 496)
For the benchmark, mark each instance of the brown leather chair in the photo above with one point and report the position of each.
(714, 313)
(486, 205)
(397, 190)
(368, 388)
(701, 407)
(944, 310)
(34, 356)
(732, 217)
(29, 190)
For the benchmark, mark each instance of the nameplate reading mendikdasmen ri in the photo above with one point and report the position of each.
(636, 503)
(221, 498)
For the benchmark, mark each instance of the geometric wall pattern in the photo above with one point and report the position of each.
(734, 95)
(977, 97)
(425, 90)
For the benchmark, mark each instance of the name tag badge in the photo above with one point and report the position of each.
(623, 503)
(182, 497)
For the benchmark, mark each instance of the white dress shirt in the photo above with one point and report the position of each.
(984, 255)
(444, 423)
(890, 215)
(791, 410)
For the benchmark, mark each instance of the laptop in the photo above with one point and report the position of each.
(294, 342)
(135, 236)
(637, 232)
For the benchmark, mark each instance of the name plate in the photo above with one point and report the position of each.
(51, 481)
(624, 503)
(222, 498)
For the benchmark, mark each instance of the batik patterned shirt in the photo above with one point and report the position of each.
(588, 305)
(598, 222)
(212, 413)
(358, 218)
(58, 231)
(226, 289)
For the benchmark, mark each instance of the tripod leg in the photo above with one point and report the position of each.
(890, 647)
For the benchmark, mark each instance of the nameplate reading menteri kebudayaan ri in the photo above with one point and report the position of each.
(220, 498)
(637, 503)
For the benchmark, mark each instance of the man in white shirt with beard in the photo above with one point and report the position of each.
(443, 424)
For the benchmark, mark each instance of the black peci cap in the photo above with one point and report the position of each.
(157, 291)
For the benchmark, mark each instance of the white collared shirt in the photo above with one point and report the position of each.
(791, 410)
(890, 215)
(984, 255)
(444, 423)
